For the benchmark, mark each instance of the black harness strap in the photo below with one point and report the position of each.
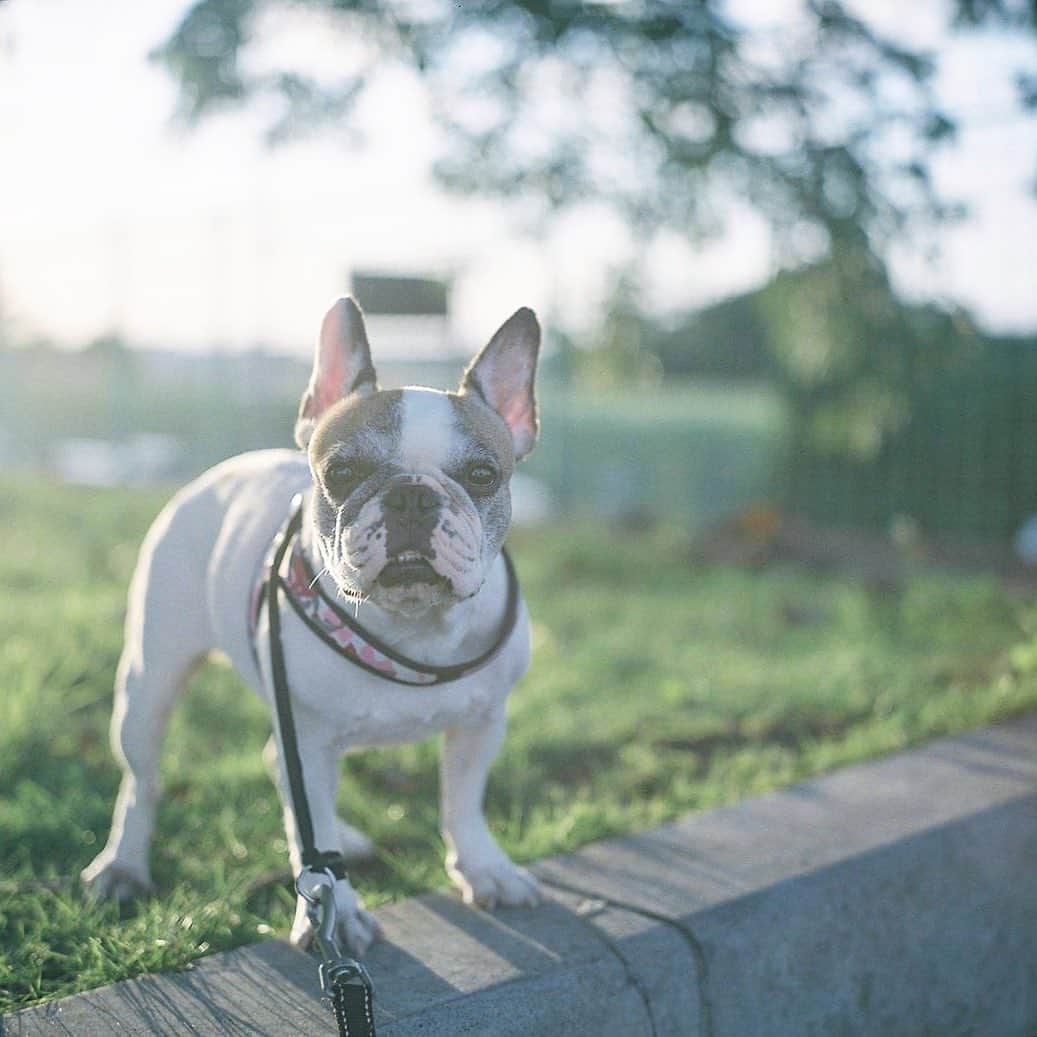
(344, 981)
(311, 857)
(318, 606)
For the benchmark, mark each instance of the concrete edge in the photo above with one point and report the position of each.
(893, 897)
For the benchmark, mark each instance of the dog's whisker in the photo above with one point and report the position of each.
(355, 598)
(350, 595)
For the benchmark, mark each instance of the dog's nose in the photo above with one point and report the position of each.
(411, 499)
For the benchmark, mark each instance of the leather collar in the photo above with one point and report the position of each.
(344, 633)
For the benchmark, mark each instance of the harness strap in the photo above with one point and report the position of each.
(344, 981)
(282, 702)
(343, 633)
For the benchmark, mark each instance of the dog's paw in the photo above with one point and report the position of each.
(107, 878)
(496, 883)
(355, 846)
(355, 928)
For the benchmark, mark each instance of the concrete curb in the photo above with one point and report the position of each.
(895, 897)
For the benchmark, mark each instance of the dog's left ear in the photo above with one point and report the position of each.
(341, 365)
(502, 375)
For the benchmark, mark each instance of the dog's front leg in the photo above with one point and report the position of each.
(357, 928)
(475, 863)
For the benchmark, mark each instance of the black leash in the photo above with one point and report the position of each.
(344, 981)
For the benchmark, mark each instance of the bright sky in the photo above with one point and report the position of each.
(110, 218)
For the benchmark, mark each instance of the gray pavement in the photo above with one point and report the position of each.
(894, 897)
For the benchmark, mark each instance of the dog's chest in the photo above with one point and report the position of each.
(361, 708)
(358, 708)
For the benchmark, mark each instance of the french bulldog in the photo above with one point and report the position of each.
(406, 504)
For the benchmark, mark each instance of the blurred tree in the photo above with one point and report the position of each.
(115, 367)
(667, 109)
(110, 349)
(619, 357)
(825, 126)
(728, 340)
(849, 355)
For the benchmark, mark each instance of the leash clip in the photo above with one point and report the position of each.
(323, 915)
(322, 878)
(345, 984)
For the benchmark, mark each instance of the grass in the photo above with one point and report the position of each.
(657, 688)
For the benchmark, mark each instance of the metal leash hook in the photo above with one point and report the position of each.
(344, 982)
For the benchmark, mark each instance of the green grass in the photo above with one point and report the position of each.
(657, 688)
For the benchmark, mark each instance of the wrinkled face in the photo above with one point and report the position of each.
(413, 501)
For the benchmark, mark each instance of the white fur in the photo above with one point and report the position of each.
(428, 435)
(189, 597)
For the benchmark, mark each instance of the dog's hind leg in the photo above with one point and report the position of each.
(144, 697)
(167, 636)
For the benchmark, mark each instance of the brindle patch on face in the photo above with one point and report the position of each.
(366, 425)
(479, 424)
(486, 435)
(362, 429)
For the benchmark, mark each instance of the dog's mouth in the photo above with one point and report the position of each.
(408, 567)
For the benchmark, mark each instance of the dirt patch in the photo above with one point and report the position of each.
(762, 535)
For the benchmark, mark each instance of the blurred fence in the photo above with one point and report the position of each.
(685, 453)
(964, 466)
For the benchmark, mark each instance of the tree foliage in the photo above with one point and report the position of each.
(667, 110)
(848, 355)
(660, 107)
(620, 357)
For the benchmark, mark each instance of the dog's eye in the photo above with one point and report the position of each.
(343, 477)
(481, 477)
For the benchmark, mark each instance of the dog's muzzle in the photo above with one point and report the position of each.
(410, 511)
(418, 538)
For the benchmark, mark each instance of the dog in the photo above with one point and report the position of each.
(405, 506)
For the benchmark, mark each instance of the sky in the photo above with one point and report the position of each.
(111, 218)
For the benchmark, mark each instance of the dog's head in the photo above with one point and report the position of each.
(412, 497)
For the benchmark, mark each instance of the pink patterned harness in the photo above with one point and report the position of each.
(342, 632)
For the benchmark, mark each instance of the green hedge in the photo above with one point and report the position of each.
(964, 465)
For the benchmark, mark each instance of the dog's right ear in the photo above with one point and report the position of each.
(341, 365)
